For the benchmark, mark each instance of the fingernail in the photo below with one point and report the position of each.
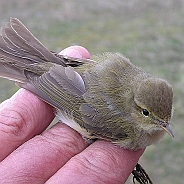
(71, 53)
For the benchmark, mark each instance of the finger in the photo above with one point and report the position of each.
(39, 158)
(21, 117)
(102, 162)
(76, 51)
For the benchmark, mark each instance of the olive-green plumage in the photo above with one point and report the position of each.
(107, 97)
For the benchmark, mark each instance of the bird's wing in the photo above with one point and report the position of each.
(62, 87)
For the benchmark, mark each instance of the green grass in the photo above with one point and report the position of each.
(150, 33)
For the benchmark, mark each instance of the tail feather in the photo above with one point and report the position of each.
(20, 50)
(18, 42)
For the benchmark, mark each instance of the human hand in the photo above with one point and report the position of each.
(31, 154)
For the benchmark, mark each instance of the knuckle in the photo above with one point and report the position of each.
(13, 121)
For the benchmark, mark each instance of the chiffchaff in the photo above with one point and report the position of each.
(107, 98)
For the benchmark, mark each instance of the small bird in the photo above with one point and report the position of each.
(105, 98)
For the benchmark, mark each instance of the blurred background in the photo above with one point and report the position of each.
(150, 33)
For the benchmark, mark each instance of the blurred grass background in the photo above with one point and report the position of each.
(150, 33)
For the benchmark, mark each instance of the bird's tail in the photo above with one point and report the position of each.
(20, 51)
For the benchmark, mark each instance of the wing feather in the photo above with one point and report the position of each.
(62, 87)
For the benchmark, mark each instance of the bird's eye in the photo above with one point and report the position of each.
(145, 112)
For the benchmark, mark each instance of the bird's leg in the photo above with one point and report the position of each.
(140, 175)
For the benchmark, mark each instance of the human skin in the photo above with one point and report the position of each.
(31, 154)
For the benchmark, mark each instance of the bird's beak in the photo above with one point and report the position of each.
(168, 130)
